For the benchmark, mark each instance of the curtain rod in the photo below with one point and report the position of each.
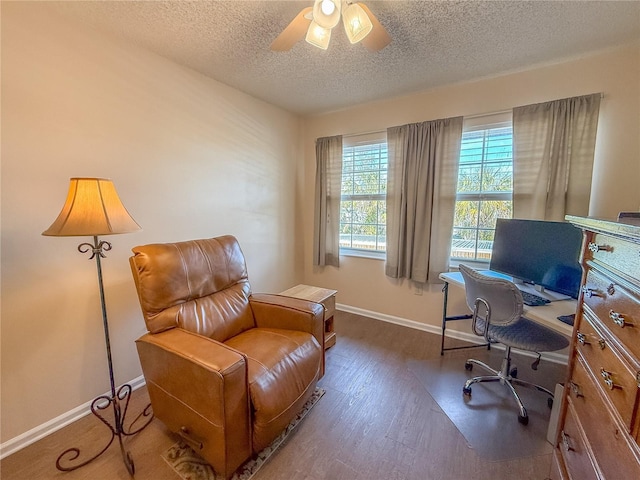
(364, 133)
(477, 115)
(501, 112)
(359, 134)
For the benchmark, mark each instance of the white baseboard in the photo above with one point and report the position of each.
(41, 431)
(467, 337)
(399, 321)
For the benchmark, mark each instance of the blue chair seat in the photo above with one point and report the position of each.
(526, 334)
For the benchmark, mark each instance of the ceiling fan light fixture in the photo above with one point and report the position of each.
(318, 36)
(327, 7)
(326, 13)
(315, 22)
(357, 23)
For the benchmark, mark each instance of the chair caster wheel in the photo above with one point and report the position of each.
(523, 420)
(468, 366)
(550, 402)
(514, 372)
(466, 391)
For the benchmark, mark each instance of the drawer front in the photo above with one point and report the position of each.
(610, 444)
(621, 255)
(617, 308)
(558, 470)
(330, 306)
(573, 450)
(616, 379)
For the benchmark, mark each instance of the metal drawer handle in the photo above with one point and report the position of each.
(594, 247)
(566, 442)
(619, 319)
(582, 339)
(606, 376)
(589, 292)
(575, 389)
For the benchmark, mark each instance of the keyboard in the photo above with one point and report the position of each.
(533, 300)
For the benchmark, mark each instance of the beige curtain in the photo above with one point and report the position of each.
(326, 239)
(553, 146)
(421, 196)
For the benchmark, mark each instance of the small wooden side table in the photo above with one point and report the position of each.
(319, 295)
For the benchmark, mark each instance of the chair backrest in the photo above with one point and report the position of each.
(502, 296)
(199, 285)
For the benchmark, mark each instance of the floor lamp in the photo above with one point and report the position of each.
(93, 208)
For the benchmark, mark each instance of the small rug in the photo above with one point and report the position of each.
(491, 412)
(190, 466)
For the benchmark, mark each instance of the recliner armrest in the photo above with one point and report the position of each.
(278, 311)
(199, 389)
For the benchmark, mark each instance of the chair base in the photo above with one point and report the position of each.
(506, 376)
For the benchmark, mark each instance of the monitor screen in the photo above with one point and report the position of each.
(543, 253)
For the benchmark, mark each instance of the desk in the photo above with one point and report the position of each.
(546, 315)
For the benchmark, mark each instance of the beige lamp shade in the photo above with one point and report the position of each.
(92, 208)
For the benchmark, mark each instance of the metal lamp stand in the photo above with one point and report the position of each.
(117, 399)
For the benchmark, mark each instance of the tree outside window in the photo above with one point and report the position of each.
(484, 192)
(363, 212)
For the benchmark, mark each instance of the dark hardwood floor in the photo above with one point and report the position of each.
(376, 421)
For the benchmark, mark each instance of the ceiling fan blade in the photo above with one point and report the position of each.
(294, 32)
(378, 38)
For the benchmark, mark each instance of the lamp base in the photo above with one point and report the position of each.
(119, 401)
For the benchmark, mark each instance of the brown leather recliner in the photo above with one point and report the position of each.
(225, 369)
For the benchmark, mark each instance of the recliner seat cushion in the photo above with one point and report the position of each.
(282, 367)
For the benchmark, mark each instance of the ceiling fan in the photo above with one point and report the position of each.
(314, 24)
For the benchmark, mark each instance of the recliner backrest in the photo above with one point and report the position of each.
(199, 285)
(503, 297)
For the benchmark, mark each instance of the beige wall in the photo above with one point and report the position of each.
(190, 158)
(194, 158)
(361, 283)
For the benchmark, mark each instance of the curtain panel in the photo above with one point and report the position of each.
(553, 148)
(326, 238)
(421, 196)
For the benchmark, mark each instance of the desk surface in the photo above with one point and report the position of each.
(544, 314)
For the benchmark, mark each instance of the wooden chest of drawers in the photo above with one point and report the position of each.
(599, 430)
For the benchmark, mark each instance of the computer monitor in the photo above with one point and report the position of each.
(546, 254)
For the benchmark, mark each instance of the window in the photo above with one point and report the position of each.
(363, 212)
(485, 187)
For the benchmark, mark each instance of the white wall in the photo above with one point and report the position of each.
(190, 157)
(361, 283)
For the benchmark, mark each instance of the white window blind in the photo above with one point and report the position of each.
(485, 186)
(363, 210)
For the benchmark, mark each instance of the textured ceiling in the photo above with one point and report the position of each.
(434, 43)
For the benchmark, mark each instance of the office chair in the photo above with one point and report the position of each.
(497, 316)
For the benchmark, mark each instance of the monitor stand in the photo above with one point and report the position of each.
(528, 287)
(542, 292)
